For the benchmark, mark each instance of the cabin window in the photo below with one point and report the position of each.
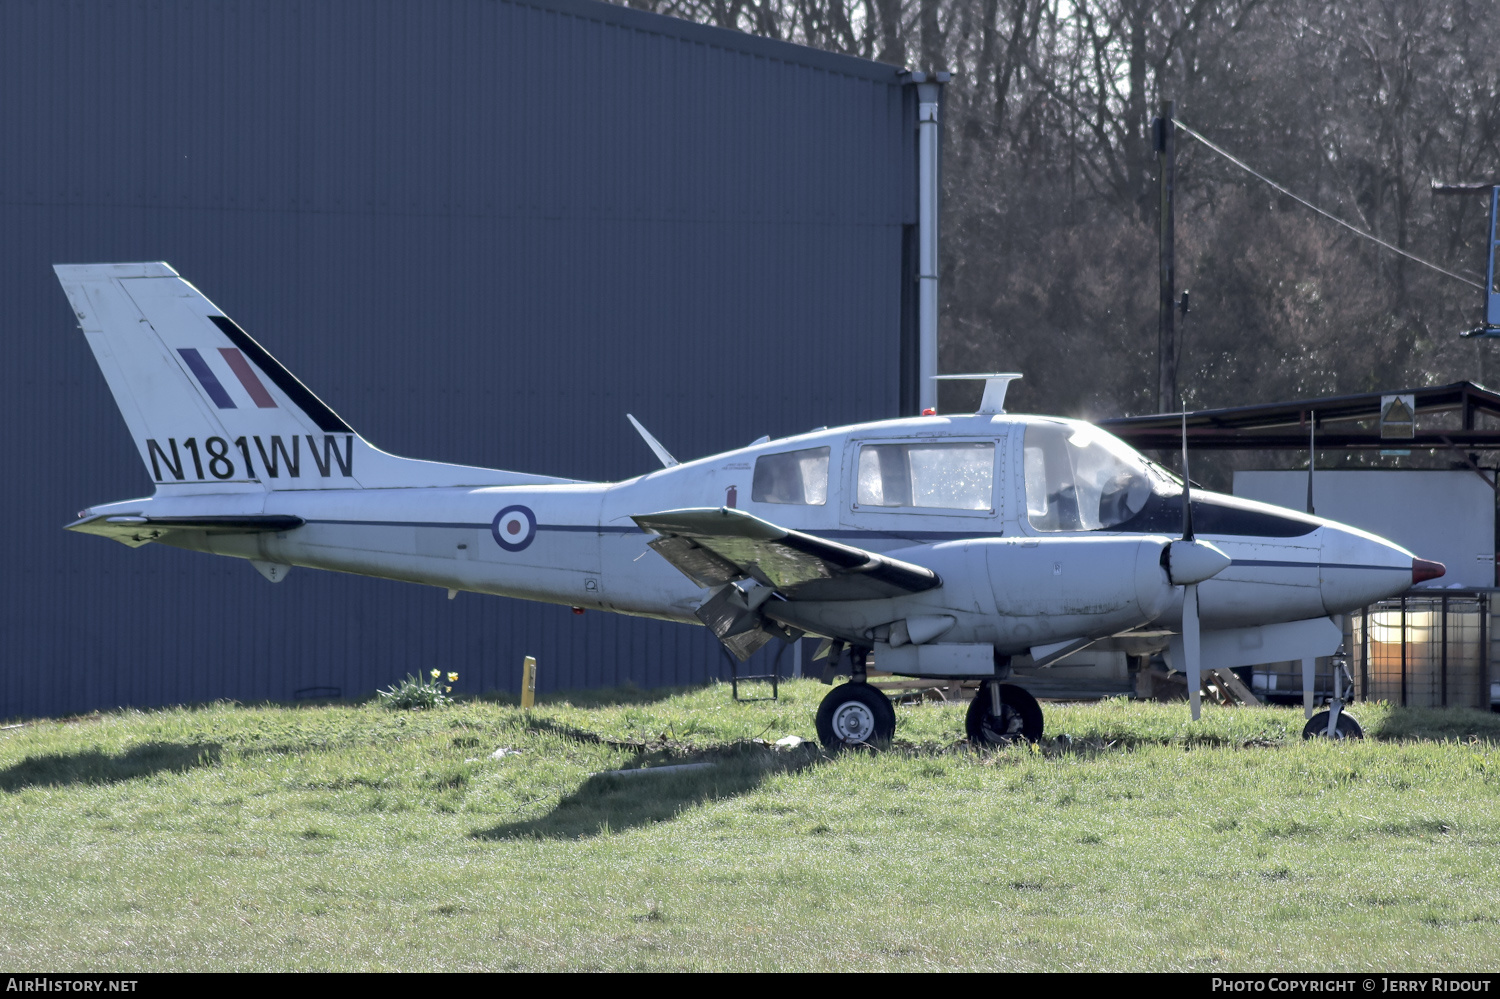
(799, 477)
(1079, 478)
(944, 476)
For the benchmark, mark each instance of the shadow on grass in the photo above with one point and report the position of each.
(610, 803)
(1441, 724)
(93, 767)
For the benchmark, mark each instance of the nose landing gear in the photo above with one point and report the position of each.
(1335, 723)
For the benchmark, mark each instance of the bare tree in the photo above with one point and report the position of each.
(1049, 203)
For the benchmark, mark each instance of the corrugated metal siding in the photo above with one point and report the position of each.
(481, 230)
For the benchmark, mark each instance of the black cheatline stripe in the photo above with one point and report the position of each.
(327, 420)
(1268, 563)
(403, 523)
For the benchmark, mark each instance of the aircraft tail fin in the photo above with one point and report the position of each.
(210, 409)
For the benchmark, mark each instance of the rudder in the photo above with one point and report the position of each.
(209, 408)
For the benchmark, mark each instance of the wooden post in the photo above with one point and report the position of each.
(528, 682)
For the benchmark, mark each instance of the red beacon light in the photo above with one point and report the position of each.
(929, 412)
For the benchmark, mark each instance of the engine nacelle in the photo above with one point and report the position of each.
(1046, 590)
(1011, 593)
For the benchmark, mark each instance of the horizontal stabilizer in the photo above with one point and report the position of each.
(713, 546)
(137, 531)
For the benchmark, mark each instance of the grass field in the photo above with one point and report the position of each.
(353, 837)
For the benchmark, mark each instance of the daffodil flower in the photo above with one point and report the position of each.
(452, 677)
(435, 674)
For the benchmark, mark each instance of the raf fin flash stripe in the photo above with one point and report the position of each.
(326, 419)
(206, 377)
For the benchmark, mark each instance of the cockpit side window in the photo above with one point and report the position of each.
(957, 475)
(799, 477)
(1079, 478)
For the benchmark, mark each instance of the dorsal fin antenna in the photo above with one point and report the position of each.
(995, 384)
(662, 454)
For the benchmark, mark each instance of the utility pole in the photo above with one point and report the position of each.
(1491, 325)
(1165, 140)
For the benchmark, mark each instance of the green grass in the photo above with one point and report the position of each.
(353, 837)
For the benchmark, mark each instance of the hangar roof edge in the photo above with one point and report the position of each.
(727, 38)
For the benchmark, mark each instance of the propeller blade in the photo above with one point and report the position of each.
(1191, 648)
(1189, 563)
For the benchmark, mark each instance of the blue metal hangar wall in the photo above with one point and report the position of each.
(481, 230)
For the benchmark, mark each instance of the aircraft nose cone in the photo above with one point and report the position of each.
(1422, 569)
(1359, 568)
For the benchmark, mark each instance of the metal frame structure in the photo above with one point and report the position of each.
(1421, 675)
(1342, 422)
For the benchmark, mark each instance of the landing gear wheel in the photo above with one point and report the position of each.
(855, 714)
(1020, 717)
(1345, 728)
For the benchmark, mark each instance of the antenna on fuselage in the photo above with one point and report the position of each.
(662, 454)
(995, 384)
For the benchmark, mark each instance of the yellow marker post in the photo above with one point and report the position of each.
(528, 682)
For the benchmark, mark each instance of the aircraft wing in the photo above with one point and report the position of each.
(712, 546)
(137, 531)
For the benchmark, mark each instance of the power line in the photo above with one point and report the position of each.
(1354, 229)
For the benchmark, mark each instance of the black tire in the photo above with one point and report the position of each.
(853, 715)
(1021, 717)
(1346, 728)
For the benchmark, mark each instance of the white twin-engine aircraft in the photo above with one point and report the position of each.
(947, 546)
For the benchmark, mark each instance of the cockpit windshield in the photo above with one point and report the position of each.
(1079, 478)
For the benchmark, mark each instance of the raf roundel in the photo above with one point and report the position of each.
(514, 528)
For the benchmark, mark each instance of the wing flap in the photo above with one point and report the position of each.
(698, 564)
(713, 546)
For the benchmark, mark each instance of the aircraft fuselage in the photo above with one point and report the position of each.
(1015, 573)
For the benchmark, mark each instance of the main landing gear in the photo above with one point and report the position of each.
(855, 713)
(1002, 713)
